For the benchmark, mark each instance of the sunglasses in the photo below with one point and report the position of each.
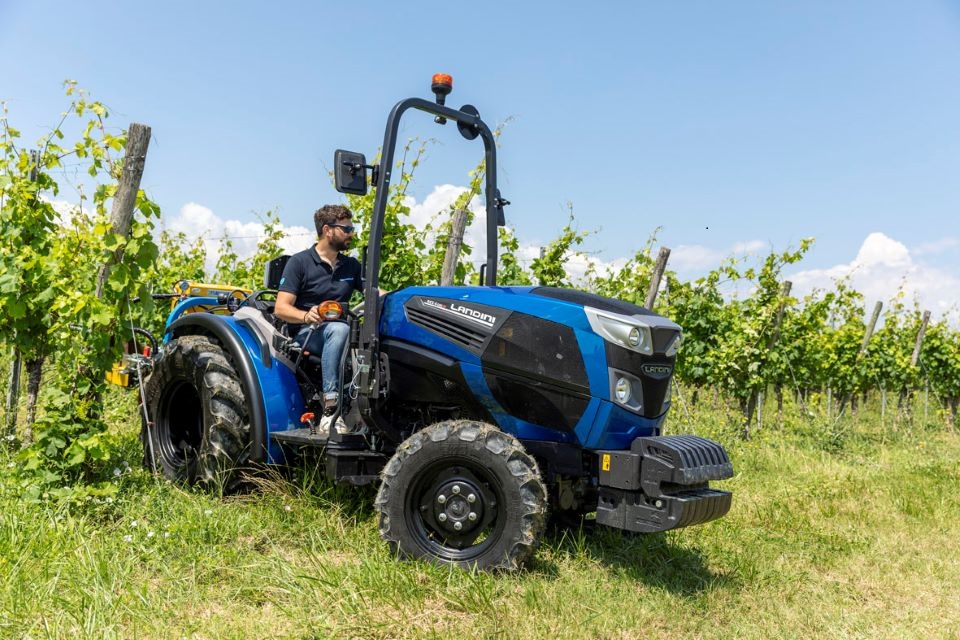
(347, 228)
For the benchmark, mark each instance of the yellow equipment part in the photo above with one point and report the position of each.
(185, 288)
(115, 376)
(189, 288)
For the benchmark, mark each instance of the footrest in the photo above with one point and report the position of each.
(300, 437)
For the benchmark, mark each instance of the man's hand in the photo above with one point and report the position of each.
(312, 315)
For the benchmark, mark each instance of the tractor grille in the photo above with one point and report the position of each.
(470, 339)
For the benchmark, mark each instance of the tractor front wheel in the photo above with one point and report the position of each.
(462, 493)
(200, 431)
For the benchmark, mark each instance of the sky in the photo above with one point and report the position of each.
(733, 127)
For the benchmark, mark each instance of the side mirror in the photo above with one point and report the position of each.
(350, 172)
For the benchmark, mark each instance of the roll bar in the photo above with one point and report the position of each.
(470, 126)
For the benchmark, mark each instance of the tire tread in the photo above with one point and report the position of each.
(502, 445)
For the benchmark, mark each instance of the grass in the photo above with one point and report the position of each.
(838, 530)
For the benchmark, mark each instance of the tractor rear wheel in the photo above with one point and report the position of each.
(463, 493)
(200, 431)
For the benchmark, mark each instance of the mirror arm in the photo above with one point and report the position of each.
(356, 166)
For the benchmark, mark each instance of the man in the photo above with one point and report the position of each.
(315, 275)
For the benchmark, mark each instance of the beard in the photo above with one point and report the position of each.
(340, 245)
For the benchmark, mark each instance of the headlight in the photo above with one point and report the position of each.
(622, 390)
(626, 390)
(625, 331)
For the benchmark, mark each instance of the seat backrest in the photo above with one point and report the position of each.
(273, 271)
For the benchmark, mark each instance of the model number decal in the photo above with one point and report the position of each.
(455, 308)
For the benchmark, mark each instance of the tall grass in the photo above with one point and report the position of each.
(840, 529)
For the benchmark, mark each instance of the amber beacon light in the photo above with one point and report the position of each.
(441, 84)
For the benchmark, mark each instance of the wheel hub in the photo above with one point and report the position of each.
(458, 505)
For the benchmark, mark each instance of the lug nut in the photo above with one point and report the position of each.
(441, 498)
(658, 504)
(456, 488)
(458, 525)
(472, 516)
(471, 498)
(442, 517)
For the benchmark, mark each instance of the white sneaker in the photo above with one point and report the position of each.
(340, 425)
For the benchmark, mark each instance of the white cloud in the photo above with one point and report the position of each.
(881, 266)
(879, 250)
(196, 220)
(440, 200)
(694, 257)
(688, 259)
(750, 246)
(65, 210)
(936, 247)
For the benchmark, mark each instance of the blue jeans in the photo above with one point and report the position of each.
(329, 340)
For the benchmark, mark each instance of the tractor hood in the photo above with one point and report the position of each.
(559, 358)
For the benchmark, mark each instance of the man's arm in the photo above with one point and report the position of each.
(290, 284)
(285, 310)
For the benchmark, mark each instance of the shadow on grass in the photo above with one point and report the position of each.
(306, 480)
(650, 559)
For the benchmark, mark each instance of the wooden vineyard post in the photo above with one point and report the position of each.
(871, 327)
(906, 394)
(457, 226)
(34, 366)
(915, 358)
(751, 404)
(125, 199)
(867, 334)
(760, 410)
(13, 394)
(655, 277)
(883, 406)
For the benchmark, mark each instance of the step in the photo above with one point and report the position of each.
(352, 442)
(300, 437)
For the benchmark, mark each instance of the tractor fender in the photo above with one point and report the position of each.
(218, 327)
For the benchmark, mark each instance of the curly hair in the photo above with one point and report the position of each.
(330, 214)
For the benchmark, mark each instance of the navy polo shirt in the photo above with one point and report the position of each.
(313, 280)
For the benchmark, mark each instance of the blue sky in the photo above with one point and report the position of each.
(732, 125)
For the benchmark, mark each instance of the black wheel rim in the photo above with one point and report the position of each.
(455, 510)
(179, 423)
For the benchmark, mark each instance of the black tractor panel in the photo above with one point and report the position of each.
(535, 402)
(539, 349)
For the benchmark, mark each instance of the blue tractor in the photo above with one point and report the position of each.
(480, 410)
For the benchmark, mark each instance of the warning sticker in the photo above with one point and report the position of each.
(605, 464)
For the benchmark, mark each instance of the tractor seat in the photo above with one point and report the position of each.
(273, 272)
